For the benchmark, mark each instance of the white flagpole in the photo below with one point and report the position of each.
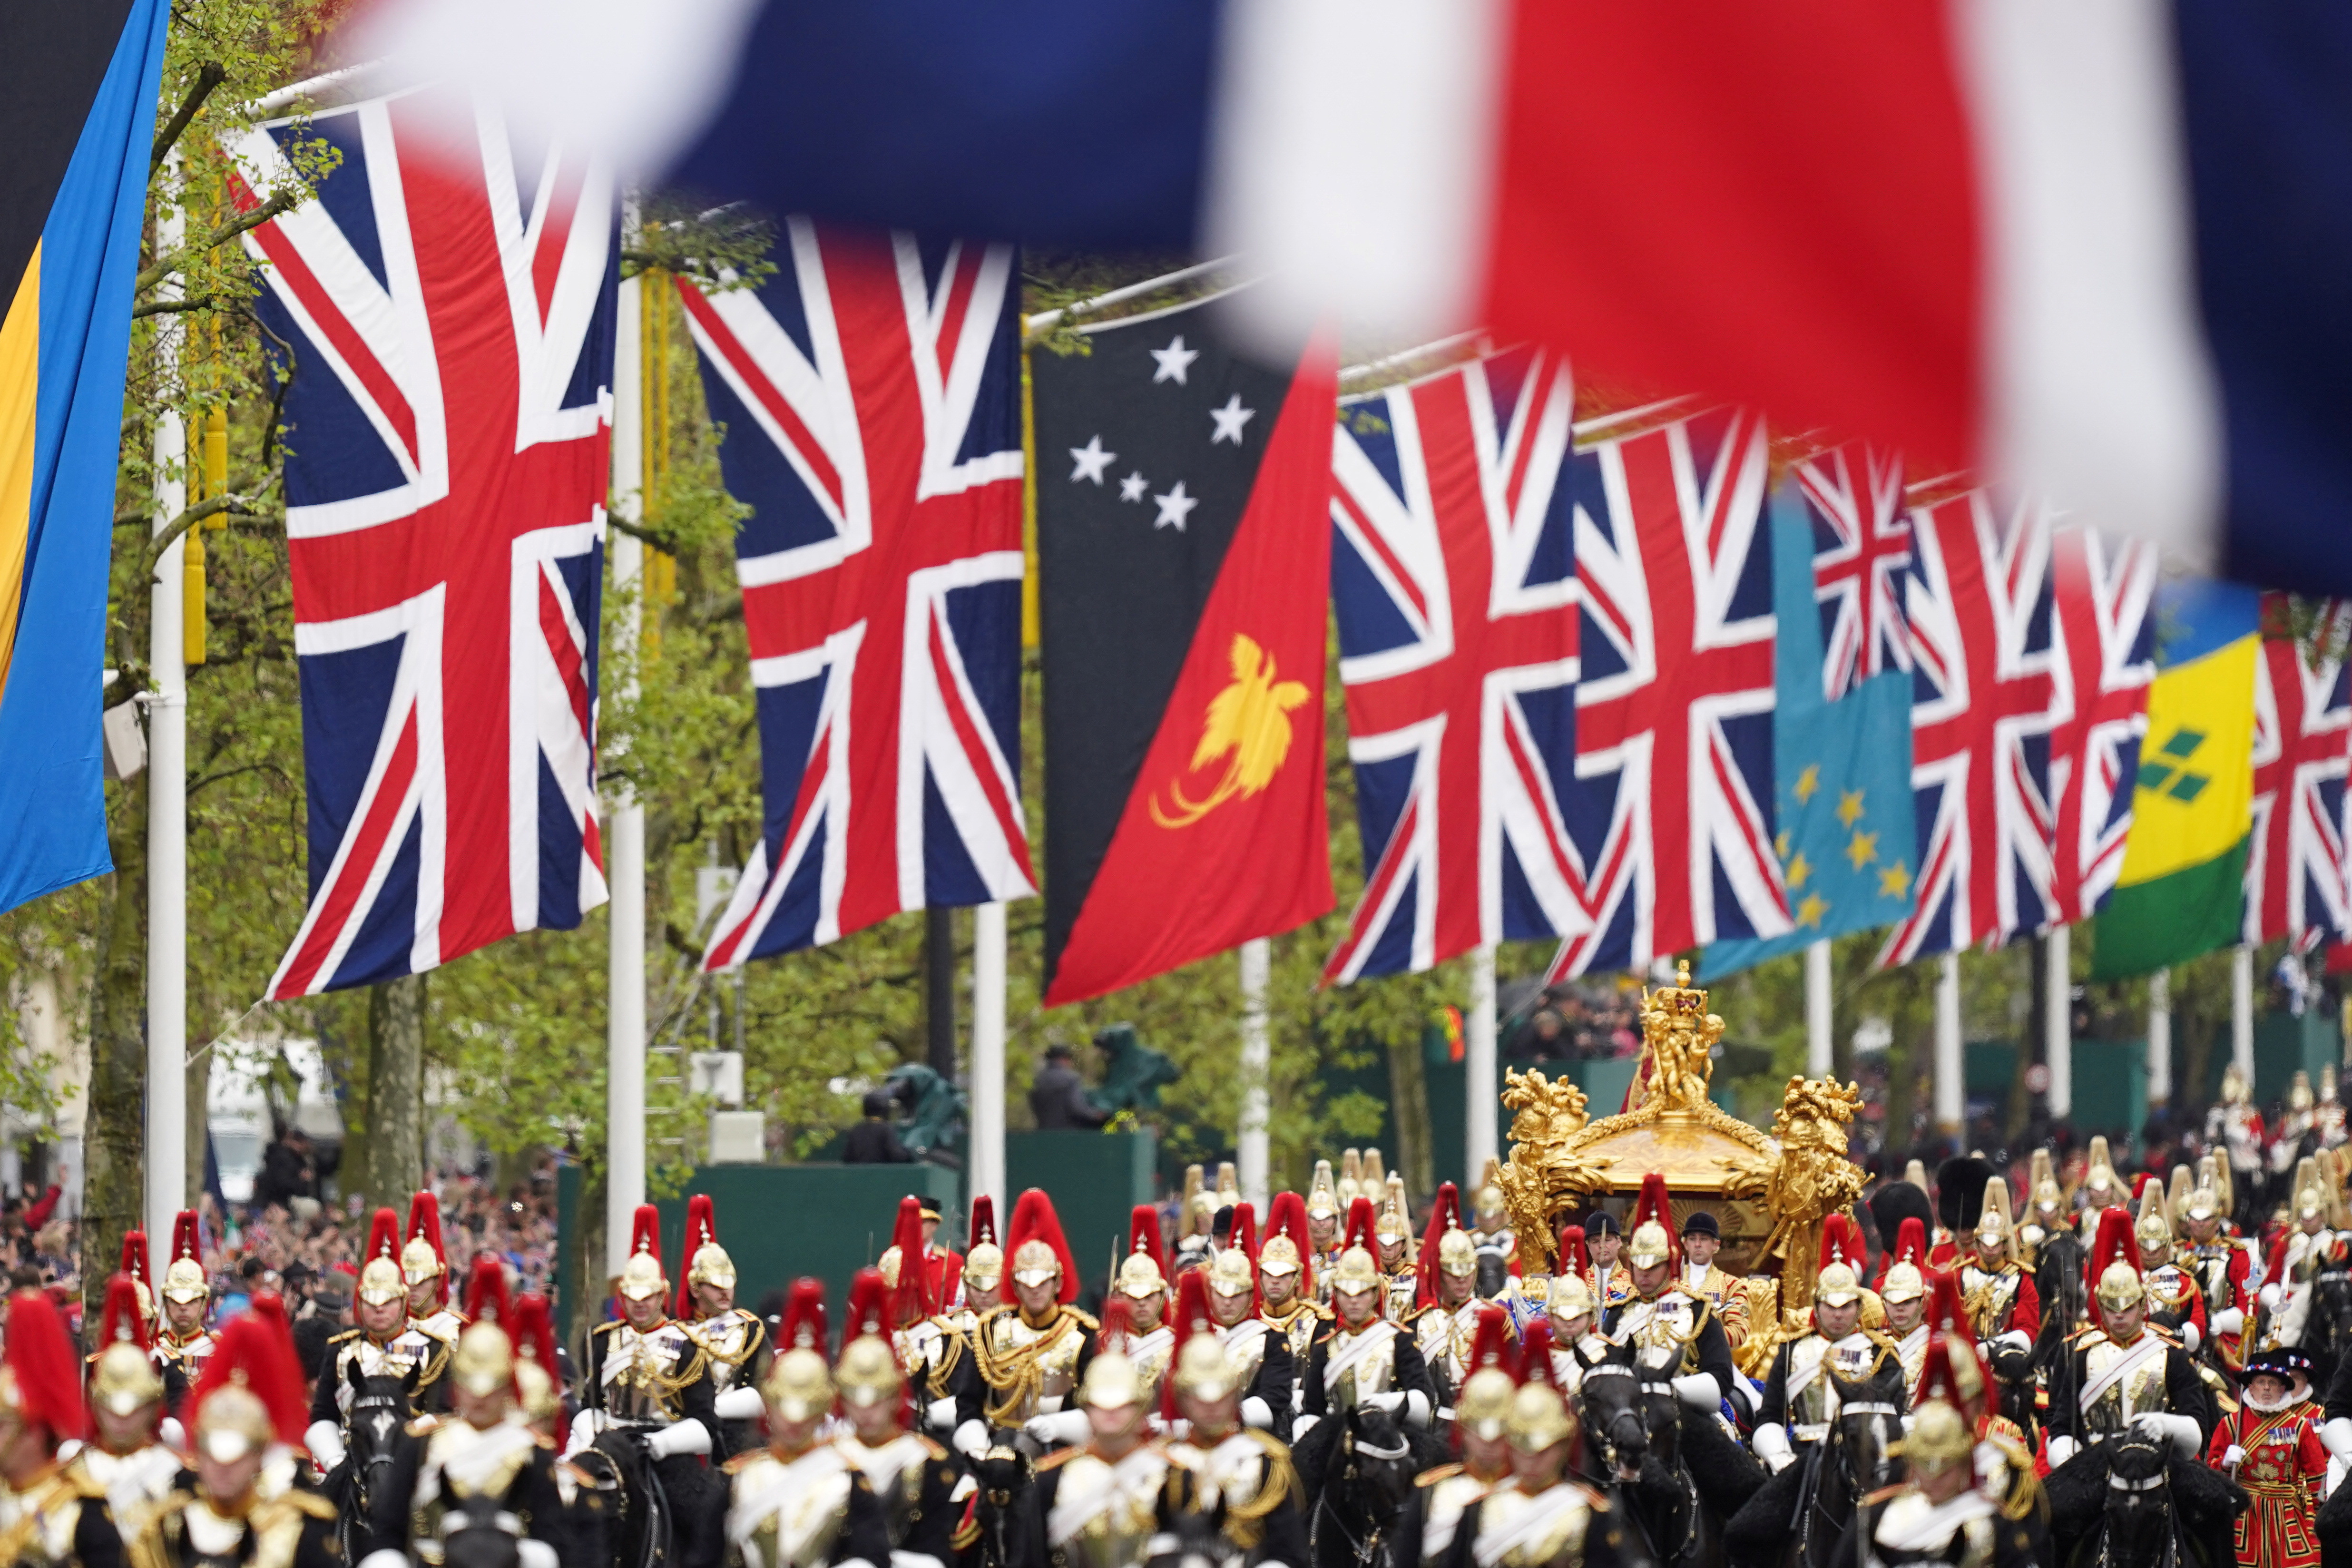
(1951, 1099)
(1820, 1033)
(2159, 1037)
(2058, 1019)
(624, 840)
(1480, 1141)
(1256, 1063)
(2241, 1013)
(167, 789)
(984, 1171)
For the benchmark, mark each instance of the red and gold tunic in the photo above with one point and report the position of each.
(2281, 1469)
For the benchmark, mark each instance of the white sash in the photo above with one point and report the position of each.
(1346, 1349)
(885, 1464)
(1137, 1479)
(473, 1467)
(2129, 1362)
(821, 1474)
(1801, 1378)
(1534, 1521)
(1926, 1528)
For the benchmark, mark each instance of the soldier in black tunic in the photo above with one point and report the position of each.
(926, 1496)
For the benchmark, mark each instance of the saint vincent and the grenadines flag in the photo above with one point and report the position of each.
(2181, 890)
(78, 87)
(1183, 541)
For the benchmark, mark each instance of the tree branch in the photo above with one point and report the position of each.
(207, 79)
(163, 267)
(170, 307)
(667, 542)
(233, 503)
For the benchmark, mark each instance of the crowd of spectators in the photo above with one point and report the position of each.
(1579, 1020)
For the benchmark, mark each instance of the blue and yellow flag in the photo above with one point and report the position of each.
(2182, 891)
(1842, 773)
(77, 88)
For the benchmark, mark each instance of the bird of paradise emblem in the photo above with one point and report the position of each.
(1248, 727)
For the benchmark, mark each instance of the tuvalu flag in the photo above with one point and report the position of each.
(2181, 889)
(1184, 542)
(77, 116)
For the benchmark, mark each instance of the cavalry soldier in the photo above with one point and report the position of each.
(127, 1458)
(2101, 1189)
(1660, 1314)
(2046, 1209)
(185, 1343)
(1570, 1334)
(1941, 1515)
(1954, 1372)
(1288, 1287)
(385, 1344)
(1603, 1239)
(2296, 1256)
(2328, 1116)
(734, 1341)
(1392, 1230)
(48, 1512)
(2175, 1304)
(1027, 1355)
(1363, 1358)
(1323, 1217)
(249, 1401)
(1800, 1400)
(1143, 1280)
(2221, 1268)
(1902, 1289)
(1097, 1505)
(1482, 1411)
(142, 1275)
(2270, 1445)
(1446, 1314)
(925, 1497)
(800, 1501)
(1490, 1216)
(2235, 1127)
(932, 1349)
(424, 1265)
(1702, 1239)
(1258, 1352)
(2126, 1373)
(1223, 1467)
(1196, 1217)
(942, 1264)
(481, 1466)
(2001, 1297)
(1544, 1517)
(647, 1379)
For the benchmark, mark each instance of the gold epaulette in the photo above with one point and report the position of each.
(931, 1449)
(344, 1338)
(611, 1328)
(1085, 1320)
(1885, 1494)
(1055, 1461)
(424, 1425)
(1436, 1473)
(735, 1465)
(308, 1502)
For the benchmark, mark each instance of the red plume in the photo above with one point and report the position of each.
(425, 1220)
(1534, 1353)
(255, 1349)
(1191, 1317)
(1143, 1236)
(1034, 1220)
(486, 1301)
(869, 1306)
(383, 1237)
(1245, 1231)
(701, 1231)
(135, 1261)
(42, 1359)
(1910, 1247)
(1837, 1246)
(1940, 1376)
(1490, 1341)
(1287, 1216)
(1573, 1257)
(912, 1301)
(121, 1321)
(983, 1222)
(1362, 1228)
(1117, 1327)
(1947, 1312)
(802, 1325)
(534, 1337)
(1445, 1215)
(2114, 1244)
(1653, 1205)
(645, 1231)
(187, 1241)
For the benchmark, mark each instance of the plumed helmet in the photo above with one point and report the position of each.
(2046, 1199)
(1938, 1436)
(184, 1276)
(1322, 1194)
(1995, 1227)
(868, 1373)
(910, 1291)
(1230, 1274)
(1906, 1278)
(706, 1262)
(2203, 1203)
(1143, 1272)
(1488, 1204)
(1539, 1418)
(983, 1258)
(40, 1376)
(2298, 1092)
(1838, 1281)
(1534, 1353)
(1393, 1224)
(2115, 1264)
(1445, 1246)
(799, 1385)
(1352, 1175)
(1483, 1404)
(1574, 1257)
(251, 1391)
(122, 1376)
(1039, 1250)
(1568, 1297)
(2234, 1089)
(2101, 1185)
(1650, 1239)
(1111, 1382)
(2310, 1190)
(483, 1364)
(1202, 1369)
(642, 1275)
(803, 1326)
(380, 1281)
(421, 1257)
(487, 1297)
(535, 1366)
(1957, 1370)
(141, 1270)
(2153, 1230)
(1358, 1269)
(1287, 1246)
(1229, 1185)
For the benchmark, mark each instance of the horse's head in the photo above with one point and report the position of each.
(1870, 1426)
(379, 1410)
(1379, 1460)
(1616, 1415)
(2140, 1501)
(472, 1536)
(1662, 1407)
(1192, 1541)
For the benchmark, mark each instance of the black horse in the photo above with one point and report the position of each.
(2327, 1318)
(1355, 1472)
(2058, 1279)
(2128, 1501)
(1677, 1473)
(379, 1413)
(1796, 1518)
(2014, 1368)
(1192, 1541)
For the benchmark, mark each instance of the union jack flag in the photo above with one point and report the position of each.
(2296, 867)
(2105, 654)
(1673, 811)
(449, 305)
(1454, 578)
(1986, 696)
(871, 390)
(1853, 497)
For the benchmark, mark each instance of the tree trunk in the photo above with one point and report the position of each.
(114, 1135)
(939, 990)
(584, 1276)
(200, 1120)
(1416, 1157)
(395, 1134)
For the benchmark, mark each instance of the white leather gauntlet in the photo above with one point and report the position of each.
(1698, 1390)
(2229, 1320)
(738, 1405)
(326, 1444)
(679, 1437)
(1771, 1444)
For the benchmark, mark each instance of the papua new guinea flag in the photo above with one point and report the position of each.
(77, 86)
(1184, 553)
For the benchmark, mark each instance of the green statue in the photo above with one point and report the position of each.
(1132, 1071)
(934, 1107)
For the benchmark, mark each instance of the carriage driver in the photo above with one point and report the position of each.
(1661, 1313)
(1799, 1401)
(2126, 1373)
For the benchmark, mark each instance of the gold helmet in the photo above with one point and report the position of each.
(2153, 1230)
(380, 1280)
(1568, 1297)
(1322, 1197)
(2224, 1181)
(2234, 1087)
(122, 1377)
(1278, 1257)
(1837, 1284)
(798, 1386)
(2298, 1092)
(1111, 1382)
(1539, 1418)
(887, 1266)
(1200, 1201)
(484, 1361)
(1228, 1185)
(419, 1263)
(1994, 1226)
(984, 1266)
(1939, 1436)
(1484, 1406)
(2045, 1197)
(1901, 1282)
(184, 1278)
(2120, 1287)
(1203, 1370)
(1649, 1246)
(1394, 1225)
(1229, 1271)
(1488, 1207)
(1916, 1172)
(539, 1400)
(1351, 1177)
(2310, 1190)
(706, 1262)
(1457, 1254)
(2203, 1203)
(1139, 1277)
(232, 1423)
(1356, 1272)
(642, 1275)
(869, 1372)
(1035, 1262)
(2100, 1186)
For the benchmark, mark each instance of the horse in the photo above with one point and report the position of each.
(1193, 1539)
(1356, 1472)
(1679, 1474)
(378, 1414)
(2013, 1368)
(2327, 1318)
(1796, 1518)
(2128, 1501)
(474, 1535)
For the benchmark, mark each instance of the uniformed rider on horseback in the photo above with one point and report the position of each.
(1029, 1355)
(1800, 1400)
(800, 1501)
(1446, 1312)
(1363, 1358)
(127, 1455)
(1482, 1410)
(1221, 1467)
(924, 1494)
(734, 1339)
(184, 1342)
(2126, 1373)
(385, 1346)
(1663, 1315)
